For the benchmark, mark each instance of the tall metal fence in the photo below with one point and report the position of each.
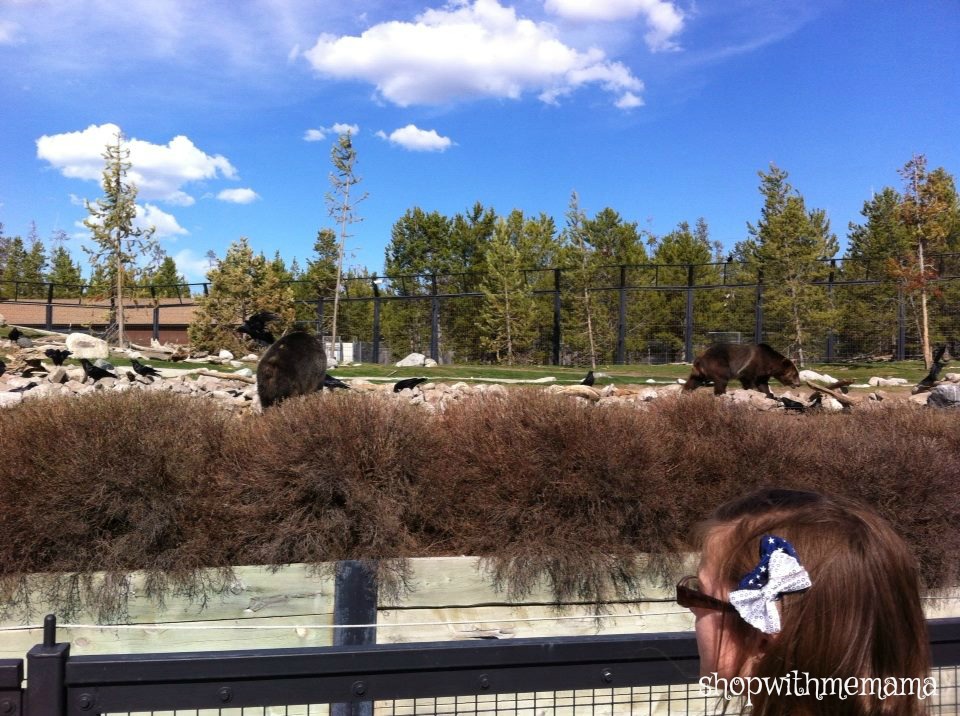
(846, 310)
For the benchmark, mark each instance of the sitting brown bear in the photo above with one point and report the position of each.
(753, 364)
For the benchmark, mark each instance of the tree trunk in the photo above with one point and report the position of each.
(797, 325)
(336, 295)
(924, 322)
(120, 322)
(506, 306)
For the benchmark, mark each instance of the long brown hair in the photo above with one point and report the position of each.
(861, 618)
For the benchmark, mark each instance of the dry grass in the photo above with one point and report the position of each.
(541, 486)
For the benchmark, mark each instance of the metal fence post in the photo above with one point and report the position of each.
(434, 321)
(556, 316)
(833, 267)
(376, 320)
(758, 312)
(11, 694)
(622, 319)
(48, 318)
(688, 318)
(354, 602)
(46, 665)
(901, 324)
(156, 323)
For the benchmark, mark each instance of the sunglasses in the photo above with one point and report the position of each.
(691, 596)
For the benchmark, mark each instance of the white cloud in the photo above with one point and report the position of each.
(191, 266)
(628, 101)
(664, 19)
(238, 196)
(466, 51)
(166, 225)
(417, 140)
(147, 216)
(9, 33)
(318, 135)
(158, 170)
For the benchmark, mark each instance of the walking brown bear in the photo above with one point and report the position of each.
(753, 364)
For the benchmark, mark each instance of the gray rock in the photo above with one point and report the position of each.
(945, 395)
(59, 375)
(8, 399)
(875, 381)
(412, 360)
(84, 346)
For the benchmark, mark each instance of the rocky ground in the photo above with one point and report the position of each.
(31, 375)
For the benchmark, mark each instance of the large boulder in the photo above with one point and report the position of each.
(412, 360)
(945, 395)
(89, 347)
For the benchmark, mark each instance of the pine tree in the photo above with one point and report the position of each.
(575, 242)
(14, 258)
(788, 245)
(342, 206)
(166, 281)
(507, 315)
(33, 266)
(119, 244)
(241, 284)
(877, 249)
(931, 212)
(64, 273)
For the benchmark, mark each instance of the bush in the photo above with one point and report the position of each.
(541, 486)
(112, 482)
(327, 477)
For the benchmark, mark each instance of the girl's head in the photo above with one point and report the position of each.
(861, 617)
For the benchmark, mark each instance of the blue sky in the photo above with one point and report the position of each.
(664, 110)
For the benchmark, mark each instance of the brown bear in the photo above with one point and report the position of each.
(294, 365)
(753, 364)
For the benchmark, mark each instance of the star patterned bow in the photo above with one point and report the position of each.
(778, 572)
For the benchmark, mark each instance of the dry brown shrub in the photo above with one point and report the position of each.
(327, 477)
(903, 460)
(545, 487)
(108, 483)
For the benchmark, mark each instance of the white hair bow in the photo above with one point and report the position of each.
(757, 604)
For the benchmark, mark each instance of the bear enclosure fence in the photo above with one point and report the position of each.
(841, 309)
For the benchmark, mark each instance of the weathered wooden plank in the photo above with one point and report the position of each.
(507, 622)
(170, 638)
(256, 591)
(451, 598)
(463, 581)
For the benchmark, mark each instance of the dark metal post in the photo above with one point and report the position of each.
(622, 319)
(434, 322)
(49, 311)
(688, 318)
(319, 316)
(556, 316)
(46, 666)
(833, 267)
(901, 325)
(156, 323)
(376, 320)
(354, 602)
(758, 312)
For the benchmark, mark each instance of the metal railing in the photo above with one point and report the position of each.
(642, 673)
